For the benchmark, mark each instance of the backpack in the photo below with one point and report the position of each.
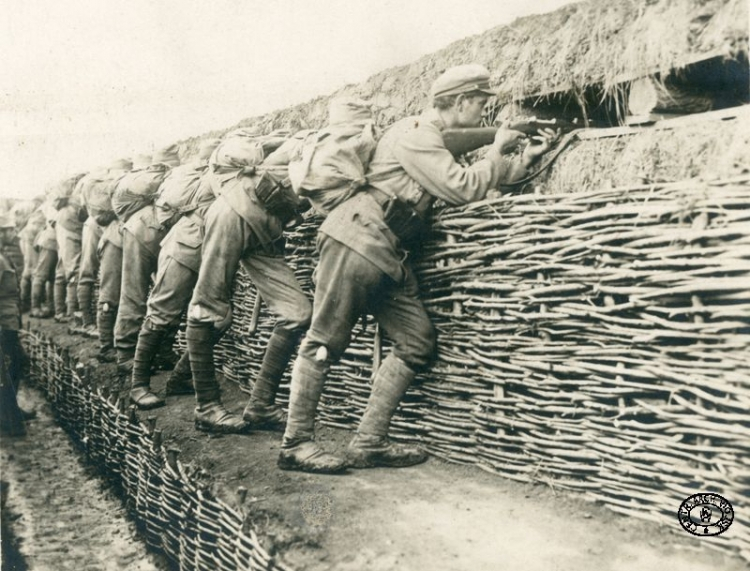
(176, 193)
(331, 164)
(97, 190)
(137, 189)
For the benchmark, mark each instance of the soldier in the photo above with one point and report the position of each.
(19, 213)
(177, 271)
(68, 230)
(11, 353)
(110, 262)
(28, 225)
(244, 226)
(94, 189)
(47, 271)
(364, 266)
(142, 233)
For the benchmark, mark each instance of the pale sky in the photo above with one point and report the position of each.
(84, 82)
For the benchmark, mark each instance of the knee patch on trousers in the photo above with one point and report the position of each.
(321, 355)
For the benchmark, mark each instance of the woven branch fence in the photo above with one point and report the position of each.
(172, 504)
(597, 342)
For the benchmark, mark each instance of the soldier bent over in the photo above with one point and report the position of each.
(141, 236)
(364, 267)
(244, 227)
(109, 253)
(177, 271)
(69, 227)
(47, 271)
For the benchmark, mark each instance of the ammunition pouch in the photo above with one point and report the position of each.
(105, 218)
(401, 217)
(277, 197)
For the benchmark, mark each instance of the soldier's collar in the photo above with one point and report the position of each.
(432, 116)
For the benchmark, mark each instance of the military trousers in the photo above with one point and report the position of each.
(30, 258)
(230, 242)
(348, 286)
(89, 266)
(46, 265)
(170, 296)
(138, 263)
(69, 252)
(110, 273)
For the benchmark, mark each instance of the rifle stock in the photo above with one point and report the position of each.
(460, 141)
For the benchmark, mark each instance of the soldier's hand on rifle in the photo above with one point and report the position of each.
(538, 145)
(506, 140)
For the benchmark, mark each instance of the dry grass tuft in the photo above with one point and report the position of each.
(706, 149)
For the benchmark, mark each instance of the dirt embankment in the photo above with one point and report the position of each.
(436, 516)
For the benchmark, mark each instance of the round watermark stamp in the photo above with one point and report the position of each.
(705, 514)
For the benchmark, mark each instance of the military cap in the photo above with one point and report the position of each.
(463, 79)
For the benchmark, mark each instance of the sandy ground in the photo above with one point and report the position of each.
(436, 516)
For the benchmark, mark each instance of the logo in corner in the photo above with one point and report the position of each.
(705, 514)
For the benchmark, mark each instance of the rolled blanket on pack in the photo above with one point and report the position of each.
(179, 188)
(139, 188)
(241, 148)
(98, 186)
(64, 193)
(332, 163)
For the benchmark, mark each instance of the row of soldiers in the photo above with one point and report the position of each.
(168, 237)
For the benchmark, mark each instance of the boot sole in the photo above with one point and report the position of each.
(149, 406)
(213, 429)
(179, 393)
(267, 425)
(361, 463)
(290, 465)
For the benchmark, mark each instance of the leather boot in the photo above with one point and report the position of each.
(371, 447)
(210, 414)
(262, 412)
(298, 450)
(71, 300)
(149, 341)
(180, 381)
(48, 307)
(166, 358)
(25, 294)
(84, 293)
(37, 294)
(60, 307)
(106, 318)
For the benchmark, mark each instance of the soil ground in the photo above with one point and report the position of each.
(57, 514)
(436, 516)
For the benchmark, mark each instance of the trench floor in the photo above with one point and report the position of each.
(437, 516)
(58, 511)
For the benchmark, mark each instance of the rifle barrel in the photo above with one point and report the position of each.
(461, 141)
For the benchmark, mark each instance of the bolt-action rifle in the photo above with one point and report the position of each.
(460, 141)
